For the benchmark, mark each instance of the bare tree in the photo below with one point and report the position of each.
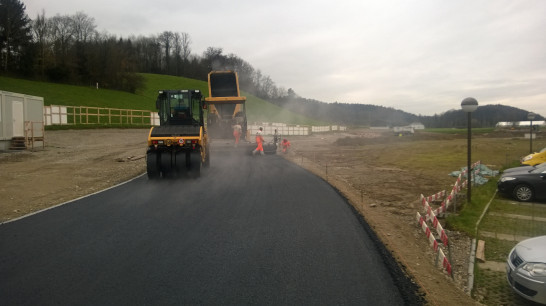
(41, 30)
(83, 27)
(258, 82)
(185, 41)
(148, 53)
(268, 88)
(166, 39)
(214, 58)
(182, 51)
(63, 36)
(177, 54)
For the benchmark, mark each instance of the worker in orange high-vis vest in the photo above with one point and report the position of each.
(285, 145)
(237, 131)
(259, 141)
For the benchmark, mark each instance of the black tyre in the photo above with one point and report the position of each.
(523, 193)
(194, 165)
(166, 163)
(152, 165)
(181, 163)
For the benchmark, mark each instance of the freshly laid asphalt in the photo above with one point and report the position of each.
(250, 231)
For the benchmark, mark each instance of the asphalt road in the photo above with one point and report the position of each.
(249, 231)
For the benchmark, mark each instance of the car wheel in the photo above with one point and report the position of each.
(523, 193)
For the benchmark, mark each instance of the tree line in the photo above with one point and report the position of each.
(374, 115)
(69, 49)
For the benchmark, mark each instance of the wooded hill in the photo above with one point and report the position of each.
(374, 115)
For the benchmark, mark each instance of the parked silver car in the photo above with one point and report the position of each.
(526, 269)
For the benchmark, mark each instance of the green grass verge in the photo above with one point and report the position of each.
(512, 226)
(469, 214)
(498, 219)
(496, 249)
(61, 94)
(459, 131)
(507, 206)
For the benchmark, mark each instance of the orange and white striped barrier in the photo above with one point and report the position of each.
(445, 262)
(433, 242)
(430, 215)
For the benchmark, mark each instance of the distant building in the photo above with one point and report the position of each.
(519, 124)
(408, 129)
(417, 126)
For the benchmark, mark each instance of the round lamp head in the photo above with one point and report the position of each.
(531, 116)
(469, 105)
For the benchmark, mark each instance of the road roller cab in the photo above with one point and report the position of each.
(179, 146)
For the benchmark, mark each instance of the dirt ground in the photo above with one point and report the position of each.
(75, 163)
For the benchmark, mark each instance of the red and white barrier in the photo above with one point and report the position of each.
(431, 215)
(436, 197)
(445, 262)
(433, 242)
(430, 236)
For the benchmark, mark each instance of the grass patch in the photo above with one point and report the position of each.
(493, 289)
(448, 155)
(501, 205)
(496, 249)
(513, 226)
(70, 95)
(459, 131)
(468, 216)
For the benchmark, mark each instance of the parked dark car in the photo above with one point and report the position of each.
(524, 185)
(523, 168)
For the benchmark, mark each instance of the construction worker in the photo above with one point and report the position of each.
(259, 141)
(237, 130)
(285, 145)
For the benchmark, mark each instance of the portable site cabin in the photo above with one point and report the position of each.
(21, 118)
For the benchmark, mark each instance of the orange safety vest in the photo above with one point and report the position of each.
(259, 141)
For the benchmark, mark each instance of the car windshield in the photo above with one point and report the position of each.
(541, 169)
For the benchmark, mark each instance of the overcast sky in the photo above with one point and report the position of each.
(420, 56)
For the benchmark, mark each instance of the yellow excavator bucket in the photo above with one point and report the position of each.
(225, 104)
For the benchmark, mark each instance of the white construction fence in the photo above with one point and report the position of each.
(66, 115)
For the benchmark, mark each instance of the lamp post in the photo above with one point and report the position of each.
(469, 105)
(531, 116)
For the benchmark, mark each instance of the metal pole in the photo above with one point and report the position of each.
(468, 171)
(531, 138)
(469, 105)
